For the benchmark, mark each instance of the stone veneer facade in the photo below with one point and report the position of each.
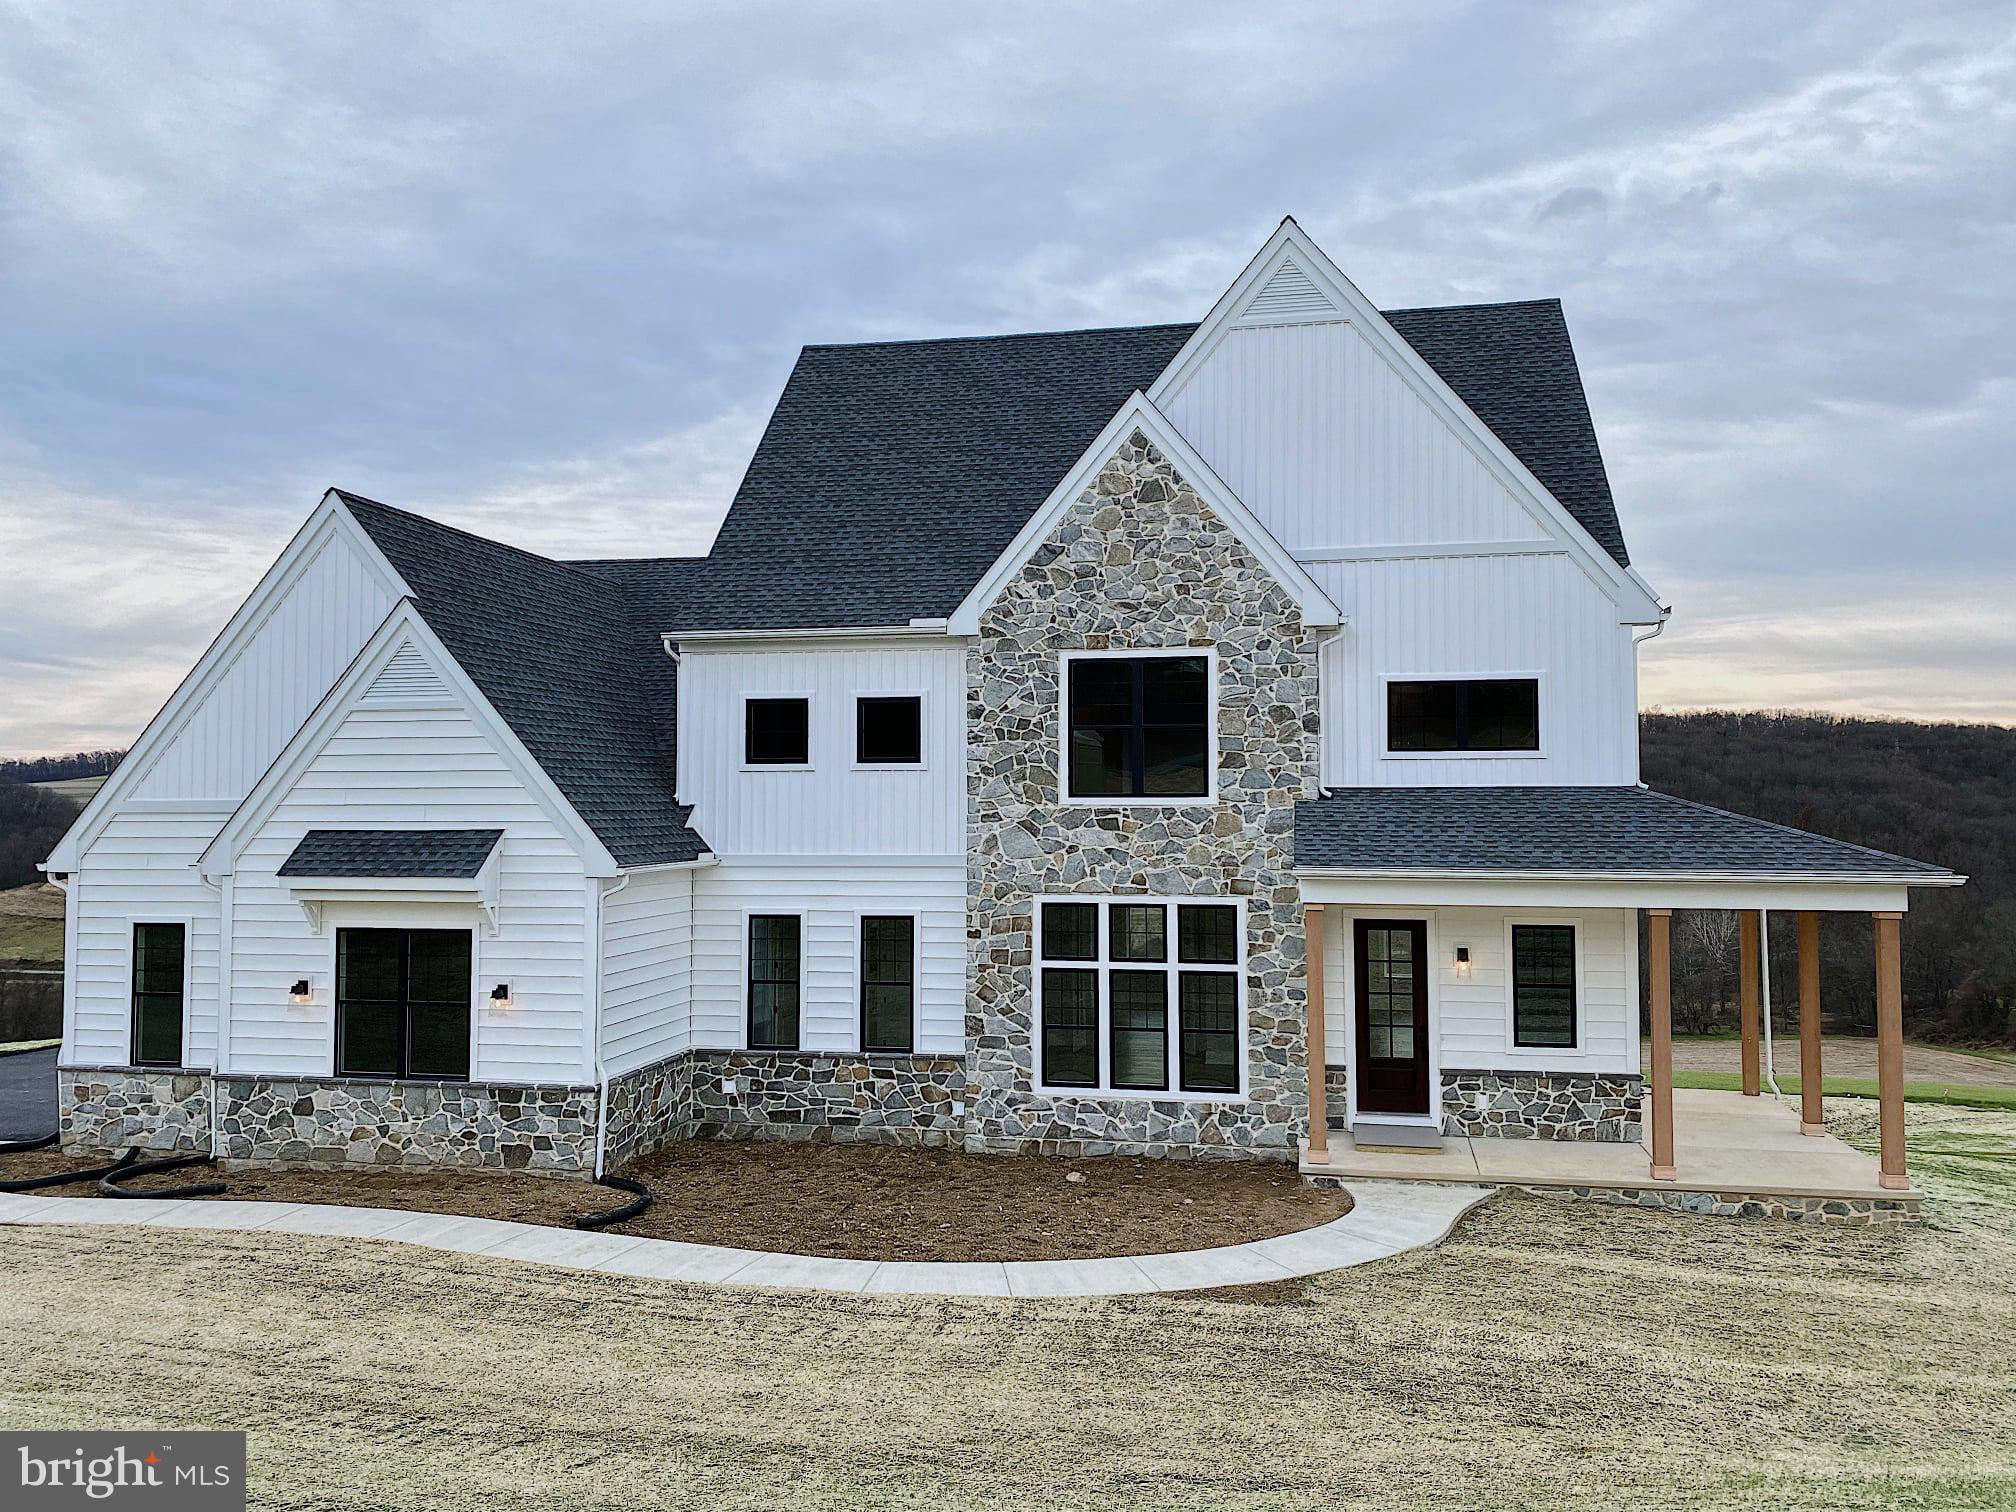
(1138, 562)
(114, 1108)
(1601, 1108)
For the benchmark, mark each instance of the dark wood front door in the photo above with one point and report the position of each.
(1392, 1016)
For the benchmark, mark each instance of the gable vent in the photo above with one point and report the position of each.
(407, 678)
(1289, 295)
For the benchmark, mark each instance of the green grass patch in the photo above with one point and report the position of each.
(16, 1047)
(1860, 1086)
(30, 939)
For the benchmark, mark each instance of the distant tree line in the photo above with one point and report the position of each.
(1935, 792)
(32, 820)
(59, 768)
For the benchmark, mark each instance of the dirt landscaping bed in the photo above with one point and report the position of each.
(862, 1202)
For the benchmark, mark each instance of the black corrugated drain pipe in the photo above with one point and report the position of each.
(65, 1178)
(108, 1184)
(628, 1210)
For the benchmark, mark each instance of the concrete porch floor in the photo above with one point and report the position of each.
(1723, 1142)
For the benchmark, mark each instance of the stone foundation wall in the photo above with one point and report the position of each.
(1139, 562)
(648, 1109)
(331, 1122)
(1837, 1210)
(887, 1099)
(1605, 1109)
(118, 1107)
(1337, 1096)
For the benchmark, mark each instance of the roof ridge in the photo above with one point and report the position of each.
(1485, 304)
(1106, 330)
(469, 535)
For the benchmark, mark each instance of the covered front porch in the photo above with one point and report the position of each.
(1383, 859)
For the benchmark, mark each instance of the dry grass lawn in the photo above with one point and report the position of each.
(1549, 1355)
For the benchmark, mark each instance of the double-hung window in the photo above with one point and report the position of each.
(1137, 726)
(1139, 996)
(1543, 986)
(159, 952)
(775, 981)
(888, 982)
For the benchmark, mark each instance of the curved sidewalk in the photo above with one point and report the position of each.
(1387, 1218)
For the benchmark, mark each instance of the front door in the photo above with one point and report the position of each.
(1392, 998)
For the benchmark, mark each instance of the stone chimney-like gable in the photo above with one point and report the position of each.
(1139, 561)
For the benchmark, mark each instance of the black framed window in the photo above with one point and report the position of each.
(889, 731)
(1112, 984)
(159, 952)
(1070, 1027)
(1543, 986)
(1139, 1014)
(774, 969)
(402, 1003)
(1138, 727)
(888, 982)
(1465, 714)
(776, 731)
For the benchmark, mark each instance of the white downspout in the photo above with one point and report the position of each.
(1764, 976)
(602, 897)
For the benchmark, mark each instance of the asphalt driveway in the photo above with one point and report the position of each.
(28, 1094)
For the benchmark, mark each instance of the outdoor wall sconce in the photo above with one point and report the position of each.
(500, 995)
(1462, 960)
(301, 994)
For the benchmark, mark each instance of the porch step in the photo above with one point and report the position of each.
(1373, 1135)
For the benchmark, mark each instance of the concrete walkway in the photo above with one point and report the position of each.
(1388, 1217)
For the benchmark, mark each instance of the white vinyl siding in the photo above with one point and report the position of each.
(830, 898)
(647, 940)
(832, 806)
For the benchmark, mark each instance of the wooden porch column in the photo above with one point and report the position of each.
(1660, 968)
(1890, 1051)
(1319, 1101)
(1812, 1116)
(1746, 991)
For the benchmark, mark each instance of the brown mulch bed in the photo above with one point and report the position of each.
(850, 1201)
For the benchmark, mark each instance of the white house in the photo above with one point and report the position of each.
(1068, 740)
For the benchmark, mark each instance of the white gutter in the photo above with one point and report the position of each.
(915, 630)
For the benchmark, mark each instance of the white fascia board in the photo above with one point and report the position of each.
(404, 623)
(1139, 413)
(1600, 890)
(1637, 604)
(329, 517)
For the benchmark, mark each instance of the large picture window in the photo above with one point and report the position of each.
(402, 1003)
(1464, 714)
(1139, 996)
(889, 982)
(1543, 986)
(1138, 727)
(775, 981)
(158, 957)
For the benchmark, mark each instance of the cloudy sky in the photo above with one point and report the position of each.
(541, 271)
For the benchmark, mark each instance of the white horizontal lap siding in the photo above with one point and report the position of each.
(1471, 1016)
(295, 657)
(387, 768)
(141, 867)
(1329, 445)
(832, 809)
(647, 943)
(1472, 616)
(830, 898)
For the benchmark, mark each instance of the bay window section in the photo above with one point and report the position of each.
(1140, 996)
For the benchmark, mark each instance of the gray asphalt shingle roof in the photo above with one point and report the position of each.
(570, 661)
(1567, 829)
(391, 853)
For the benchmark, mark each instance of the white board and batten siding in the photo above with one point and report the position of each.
(647, 979)
(1340, 455)
(396, 765)
(830, 899)
(834, 807)
(1470, 1016)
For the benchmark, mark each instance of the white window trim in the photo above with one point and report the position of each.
(188, 923)
(333, 928)
(860, 959)
(810, 763)
(1580, 1049)
(1344, 950)
(742, 983)
(1541, 704)
(1213, 752)
(1105, 965)
(923, 761)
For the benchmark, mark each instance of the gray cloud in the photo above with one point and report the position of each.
(543, 273)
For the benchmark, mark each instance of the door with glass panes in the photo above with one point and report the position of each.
(1392, 996)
